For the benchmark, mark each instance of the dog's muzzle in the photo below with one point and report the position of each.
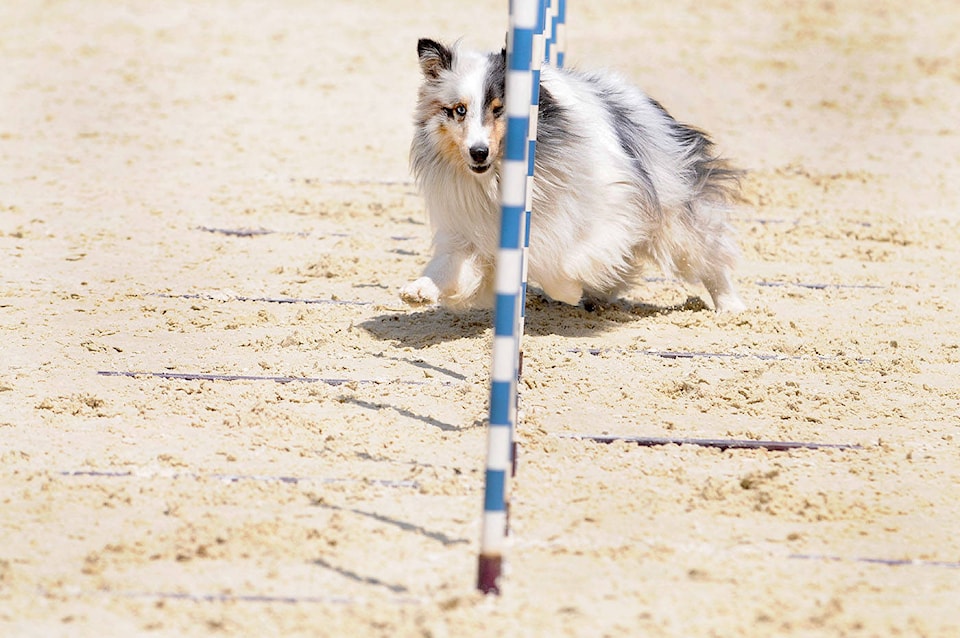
(479, 153)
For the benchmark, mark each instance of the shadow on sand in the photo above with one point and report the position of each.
(425, 328)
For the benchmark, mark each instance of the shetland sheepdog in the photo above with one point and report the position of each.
(618, 182)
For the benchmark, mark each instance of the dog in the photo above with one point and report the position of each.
(618, 183)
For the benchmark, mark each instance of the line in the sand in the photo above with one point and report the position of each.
(890, 562)
(202, 376)
(235, 478)
(287, 599)
(223, 598)
(261, 232)
(721, 444)
(816, 285)
(354, 181)
(281, 300)
(686, 354)
(248, 232)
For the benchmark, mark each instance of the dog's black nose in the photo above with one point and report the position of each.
(479, 153)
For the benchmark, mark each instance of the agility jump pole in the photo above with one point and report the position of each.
(525, 48)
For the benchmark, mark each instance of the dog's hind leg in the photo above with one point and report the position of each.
(723, 292)
(714, 264)
(698, 245)
(561, 289)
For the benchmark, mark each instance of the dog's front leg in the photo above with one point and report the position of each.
(455, 279)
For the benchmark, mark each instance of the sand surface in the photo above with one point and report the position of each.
(221, 188)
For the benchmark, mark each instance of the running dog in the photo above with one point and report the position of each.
(618, 182)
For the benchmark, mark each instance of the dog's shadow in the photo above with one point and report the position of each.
(425, 328)
(429, 327)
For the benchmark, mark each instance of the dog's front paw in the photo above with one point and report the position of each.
(420, 292)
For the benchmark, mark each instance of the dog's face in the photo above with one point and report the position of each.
(461, 105)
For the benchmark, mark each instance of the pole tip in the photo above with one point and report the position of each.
(488, 574)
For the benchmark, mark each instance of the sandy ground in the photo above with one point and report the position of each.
(137, 138)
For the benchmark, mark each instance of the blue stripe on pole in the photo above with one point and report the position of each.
(517, 128)
(503, 315)
(561, 19)
(522, 50)
(510, 217)
(493, 498)
(531, 155)
(500, 393)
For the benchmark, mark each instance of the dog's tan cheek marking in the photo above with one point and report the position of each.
(449, 131)
(499, 130)
(450, 142)
(489, 116)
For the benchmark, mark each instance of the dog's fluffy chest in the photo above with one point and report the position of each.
(470, 208)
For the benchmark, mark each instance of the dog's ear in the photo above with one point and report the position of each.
(434, 58)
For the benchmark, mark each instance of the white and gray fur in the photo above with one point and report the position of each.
(619, 182)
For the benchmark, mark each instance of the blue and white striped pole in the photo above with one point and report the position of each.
(524, 19)
(536, 64)
(549, 30)
(540, 38)
(557, 42)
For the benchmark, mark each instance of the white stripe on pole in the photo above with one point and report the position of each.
(525, 13)
(504, 368)
(518, 84)
(508, 270)
(513, 183)
(498, 440)
(493, 539)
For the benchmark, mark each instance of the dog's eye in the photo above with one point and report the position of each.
(457, 112)
(497, 111)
